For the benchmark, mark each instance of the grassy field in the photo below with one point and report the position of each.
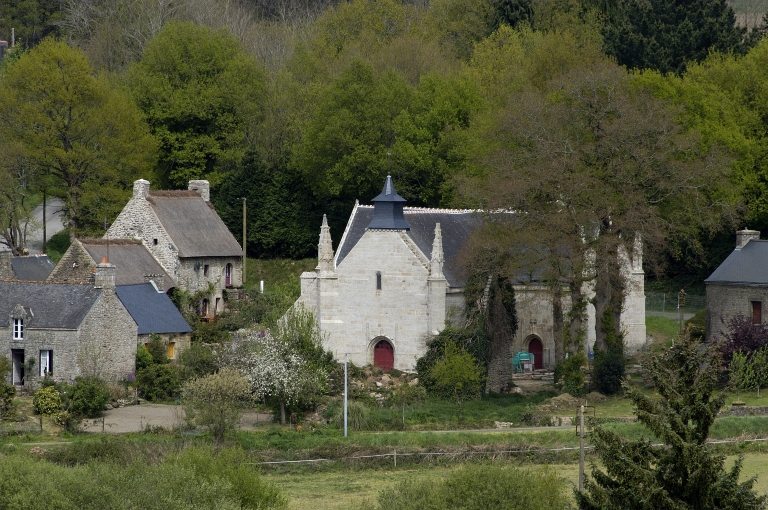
(347, 490)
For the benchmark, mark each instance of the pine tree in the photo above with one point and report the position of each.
(666, 34)
(685, 473)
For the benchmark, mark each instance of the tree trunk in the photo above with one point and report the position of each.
(282, 411)
(609, 295)
(557, 323)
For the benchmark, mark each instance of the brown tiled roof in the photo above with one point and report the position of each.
(194, 227)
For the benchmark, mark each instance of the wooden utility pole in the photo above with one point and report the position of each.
(245, 239)
(581, 449)
(45, 233)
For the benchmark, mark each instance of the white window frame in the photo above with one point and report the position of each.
(18, 329)
(46, 360)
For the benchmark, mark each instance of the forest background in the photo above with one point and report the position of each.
(564, 109)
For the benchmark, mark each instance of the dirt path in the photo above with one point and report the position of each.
(141, 417)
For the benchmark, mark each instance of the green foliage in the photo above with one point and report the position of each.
(7, 391)
(568, 373)
(748, 371)
(81, 133)
(216, 401)
(358, 416)
(665, 35)
(480, 487)
(471, 341)
(457, 375)
(143, 358)
(199, 92)
(697, 325)
(685, 473)
(159, 383)
(299, 330)
(57, 246)
(407, 395)
(32, 20)
(189, 479)
(46, 401)
(88, 397)
(157, 349)
(198, 361)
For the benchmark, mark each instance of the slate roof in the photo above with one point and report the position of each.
(54, 306)
(130, 257)
(194, 227)
(747, 265)
(35, 268)
(456, 226)
(153, 311)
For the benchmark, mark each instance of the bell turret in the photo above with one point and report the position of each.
(388, 209)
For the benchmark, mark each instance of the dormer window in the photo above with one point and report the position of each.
(18, 329)
(378, 280)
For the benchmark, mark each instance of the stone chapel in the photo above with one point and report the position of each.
(394, 282)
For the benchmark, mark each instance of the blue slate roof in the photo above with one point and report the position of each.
(456, 226)
(34, 268)
(153, 311)
(747, 265)
(53, 305)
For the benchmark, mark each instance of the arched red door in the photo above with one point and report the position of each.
(384, 355)
(537, 349)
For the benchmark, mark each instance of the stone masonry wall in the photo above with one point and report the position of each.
(181, 342)
(534, 319)
(726, 301)
(63, 343)
(194, 280)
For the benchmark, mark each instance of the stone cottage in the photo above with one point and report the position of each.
(133, 262)
(66, 330)
(185, 235)
(394, 281)
(155, 314)
(739, 286)
(29, 268)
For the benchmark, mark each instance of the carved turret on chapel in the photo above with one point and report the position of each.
(436, 263)
(325, 250)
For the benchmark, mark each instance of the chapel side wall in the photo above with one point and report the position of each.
(354, 312)
(455, 307)
(107, 340)
(726, 301)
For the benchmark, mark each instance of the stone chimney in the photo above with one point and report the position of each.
(105, 276)
(744, 236)
(157, 279)
(6, 269)
(140, 189)
(203, 187)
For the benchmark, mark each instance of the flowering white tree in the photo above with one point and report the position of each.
(275, 369)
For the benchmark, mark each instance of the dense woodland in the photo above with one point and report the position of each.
(601, 120)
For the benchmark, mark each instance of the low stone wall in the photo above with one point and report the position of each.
(744, 411)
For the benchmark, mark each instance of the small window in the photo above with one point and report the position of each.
(171, 350)
(18, 329)
(205, 270)
(154, 241)
(757, 312)
(46, 363)
(378, 281)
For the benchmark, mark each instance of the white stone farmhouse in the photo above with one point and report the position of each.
(394, 280)
(184, 234)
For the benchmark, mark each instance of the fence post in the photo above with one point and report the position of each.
(395, 457)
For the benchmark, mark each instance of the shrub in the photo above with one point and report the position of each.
(697, 325)
(216, 401)
(158, 350)
(457, 376)
(143, 358)
(569, 376)
(480, 487)
(198, 361)
(87, 397)
(608, 370)
(7, 391)
(46, 401)
(159, 382)
(358, 415)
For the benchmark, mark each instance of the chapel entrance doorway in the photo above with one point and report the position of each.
(384, 355)
(536, 348)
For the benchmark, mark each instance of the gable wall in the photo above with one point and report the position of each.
(75, 266)
(194, 280)
(353, 312)
(726, 301)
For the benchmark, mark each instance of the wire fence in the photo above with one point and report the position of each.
(667, 302)
(453, 455)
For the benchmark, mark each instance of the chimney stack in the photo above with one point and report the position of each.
(140, 188)
(744, 236)
(105, 276)
(203, 187)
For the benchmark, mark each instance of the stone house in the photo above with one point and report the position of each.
(66, 330)
(739, 286)
(29, 268)
(133, 262)
(395, 280)
(155, 314)
(185, 235)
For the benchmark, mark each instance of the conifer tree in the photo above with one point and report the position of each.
(685, 473)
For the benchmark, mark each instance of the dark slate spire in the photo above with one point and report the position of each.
(388, 209)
